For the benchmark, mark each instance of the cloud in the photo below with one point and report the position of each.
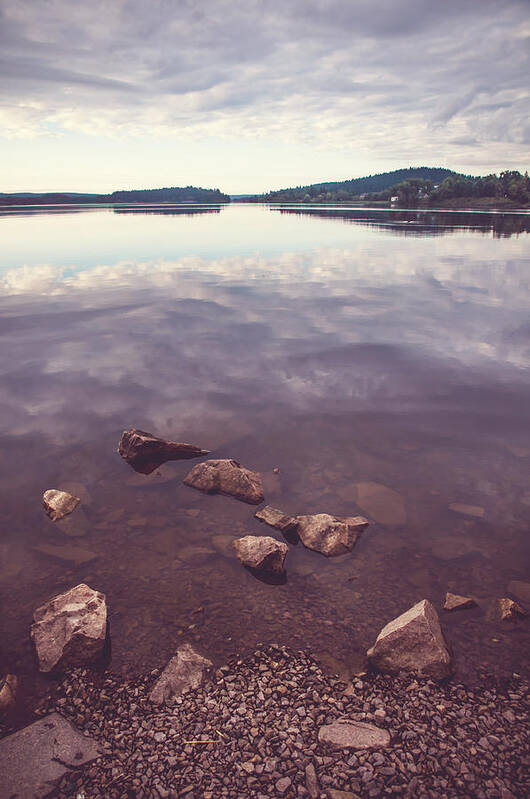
(392, 75)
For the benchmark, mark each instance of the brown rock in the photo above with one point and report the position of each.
(146, 452)
(353, 735)
(276, 518)
(311, 781)
(70, 629)
(456, 602)
(510, 610)
(226, 477)
(8, 691)
(330, 535)
(58, 504)
(184, 672)
(261, 552)
(413, 642)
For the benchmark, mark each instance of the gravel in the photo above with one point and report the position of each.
(244, 735)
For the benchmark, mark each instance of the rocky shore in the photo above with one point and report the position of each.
(255, 730)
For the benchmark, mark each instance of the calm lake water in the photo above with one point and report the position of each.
(379, 359)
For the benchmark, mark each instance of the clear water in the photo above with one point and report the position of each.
(379, 359)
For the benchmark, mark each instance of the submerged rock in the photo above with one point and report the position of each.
(67, 553)
(353, 735)
(34, 759)
(184, 672)
(510, 610)
(384, 504)
(276, 518)
(413, 642)
(226, 476)
(70, 630)
(8, 691)
(58, 504)
(467, 510)
(146, 452)
(330, 535)
(456, 602)
(261, 552)
(520, 589)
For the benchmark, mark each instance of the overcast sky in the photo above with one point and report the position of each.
(250, 95)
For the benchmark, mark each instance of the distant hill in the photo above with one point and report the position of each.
(168, 195)
(349, 189)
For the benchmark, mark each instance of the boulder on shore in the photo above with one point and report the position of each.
(353, 735)
(330, 535)
(456, 602)
(413, 642)
(184, 672)
(59, 504)
(226, 476)
(276, 518)
(261, 552)
(70, 630)
(146, 452)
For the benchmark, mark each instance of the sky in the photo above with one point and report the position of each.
(253, 95)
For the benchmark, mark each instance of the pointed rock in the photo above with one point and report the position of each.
(58, 504)
(276, 518)
(456, 602)
(261, 552)
(33, 760)
(330, 535)
(510, 610)
(226, 476)
(146, 452)
(353, 735)
(70, 630)
(413, 642)
(184, 672)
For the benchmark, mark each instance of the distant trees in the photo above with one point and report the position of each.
(509, 185)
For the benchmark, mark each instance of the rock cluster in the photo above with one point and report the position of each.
(70, 629)
(253, 731)
(226, 476)
(146, 452)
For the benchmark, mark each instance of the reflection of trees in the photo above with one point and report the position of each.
(422, 223)
(168, 211)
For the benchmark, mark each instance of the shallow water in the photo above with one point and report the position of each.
(379, 359)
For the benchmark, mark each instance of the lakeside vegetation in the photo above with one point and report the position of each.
(416, 186)
(173, 194)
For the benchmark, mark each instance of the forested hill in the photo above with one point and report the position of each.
(167, 195)
(346, 189)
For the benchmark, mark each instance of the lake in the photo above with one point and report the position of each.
(379, 359)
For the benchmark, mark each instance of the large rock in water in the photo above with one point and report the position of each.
(146, 452)
(70, 630)
(59, 504)
(226, 477)
(413, 642)
(34, 759)
(261, 552)
(330, 535)
(184, 672)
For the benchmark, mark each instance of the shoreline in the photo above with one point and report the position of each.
(262, 715)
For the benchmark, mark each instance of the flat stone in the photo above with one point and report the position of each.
(70, 630)
(353, 735)
(261, 552)
(520, 589)
(184, 672)
(146, 452)
(335, 793)
(330, 535)
(382, 503)
(467, 510)
(226, 476)
(67, 553)
(58, 504)
(276, 518)
(282, 784)
(456, 602)
(413, 642)
(35, 758)
(311, 781)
